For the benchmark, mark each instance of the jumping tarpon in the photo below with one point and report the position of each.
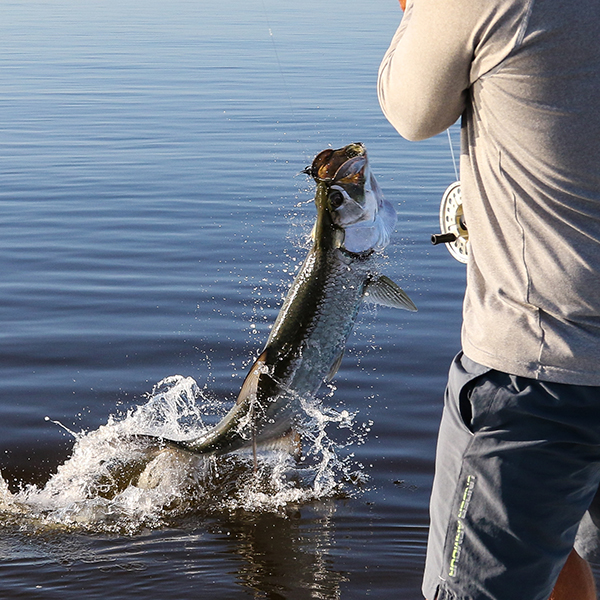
(307, 341)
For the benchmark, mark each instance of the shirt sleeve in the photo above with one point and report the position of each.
(425, 75)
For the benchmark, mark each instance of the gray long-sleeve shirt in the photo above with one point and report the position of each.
(525, 76)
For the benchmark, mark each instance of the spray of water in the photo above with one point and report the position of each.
(116, 481)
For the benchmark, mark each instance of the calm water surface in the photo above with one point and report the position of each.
(152, 214)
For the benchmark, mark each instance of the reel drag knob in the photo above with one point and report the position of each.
(452, 224)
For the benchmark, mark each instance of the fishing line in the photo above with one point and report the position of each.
(302, 134)
(305, 147)
(452, 153)
(285, 85)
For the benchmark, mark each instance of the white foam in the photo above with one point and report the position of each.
(115, 481)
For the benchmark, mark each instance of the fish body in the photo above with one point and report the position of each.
(307, 341)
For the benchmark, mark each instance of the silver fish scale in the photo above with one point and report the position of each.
(318, 314)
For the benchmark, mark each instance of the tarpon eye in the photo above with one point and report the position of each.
(336, 199)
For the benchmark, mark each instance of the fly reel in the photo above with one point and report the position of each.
(452, 224)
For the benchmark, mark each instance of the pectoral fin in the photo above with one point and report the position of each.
(382, 290)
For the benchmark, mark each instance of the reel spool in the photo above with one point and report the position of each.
(452, 224)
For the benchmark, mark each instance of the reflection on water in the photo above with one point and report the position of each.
(288, 557)
(263, 555)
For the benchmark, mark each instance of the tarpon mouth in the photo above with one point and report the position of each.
(353, 213)
(328, 162)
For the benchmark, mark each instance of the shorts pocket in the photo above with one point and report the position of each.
(465, 400)
(464, 404)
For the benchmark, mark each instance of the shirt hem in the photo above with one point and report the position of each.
(532, 369)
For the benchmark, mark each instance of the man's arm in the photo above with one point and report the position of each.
(425, 75)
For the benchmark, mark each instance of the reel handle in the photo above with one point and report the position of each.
(443, 238)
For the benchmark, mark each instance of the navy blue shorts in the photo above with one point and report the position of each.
(517, 467)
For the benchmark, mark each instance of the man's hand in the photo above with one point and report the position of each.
(403, 4)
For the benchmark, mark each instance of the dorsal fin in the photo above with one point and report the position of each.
(250, 385)
(382, 290)
(248, 393)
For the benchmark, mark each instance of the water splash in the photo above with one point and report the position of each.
(117, 481)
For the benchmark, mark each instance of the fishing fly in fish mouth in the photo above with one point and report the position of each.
(307, 341)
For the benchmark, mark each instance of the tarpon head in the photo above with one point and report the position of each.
(351, 210)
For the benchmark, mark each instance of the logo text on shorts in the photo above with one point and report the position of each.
(460, 527)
